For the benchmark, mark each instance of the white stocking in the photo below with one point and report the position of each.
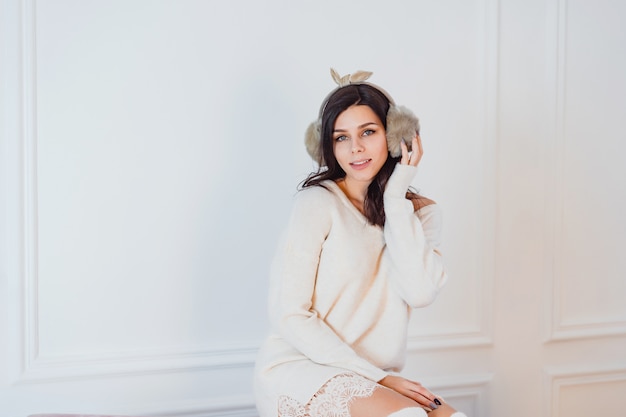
(409, 412)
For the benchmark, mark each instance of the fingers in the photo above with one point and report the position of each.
(413, 390)
(414, 157)
(417, 151)
(405, 153)
(422, 395)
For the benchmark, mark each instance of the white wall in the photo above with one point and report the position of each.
(561, 319)
(150, 150)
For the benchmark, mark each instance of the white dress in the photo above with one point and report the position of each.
(341, 292)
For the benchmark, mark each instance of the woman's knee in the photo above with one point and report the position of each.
(444, 410)
(420, 412)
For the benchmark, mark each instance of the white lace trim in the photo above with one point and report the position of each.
(288, 407)
(332, 400)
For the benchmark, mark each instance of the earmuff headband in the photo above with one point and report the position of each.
(402, 124)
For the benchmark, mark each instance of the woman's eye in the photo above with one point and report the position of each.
(368, 132)
(341, 138)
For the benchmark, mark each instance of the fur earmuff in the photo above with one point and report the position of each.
(313, 141)
(402, 125)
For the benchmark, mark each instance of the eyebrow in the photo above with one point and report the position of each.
(360, 126)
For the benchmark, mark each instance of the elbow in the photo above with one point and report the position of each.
(427, 293)
(422, 298)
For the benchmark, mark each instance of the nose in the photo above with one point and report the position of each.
(357, 145)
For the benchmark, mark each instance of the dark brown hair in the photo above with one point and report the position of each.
(340, 100)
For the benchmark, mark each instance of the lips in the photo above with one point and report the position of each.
(360, 164)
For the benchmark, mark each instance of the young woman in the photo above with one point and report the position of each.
(360, 251)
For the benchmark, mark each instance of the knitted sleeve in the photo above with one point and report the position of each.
(416, 267)
(294, 283)
(431, 218)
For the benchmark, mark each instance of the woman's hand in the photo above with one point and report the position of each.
(416, 152)
(413, 390)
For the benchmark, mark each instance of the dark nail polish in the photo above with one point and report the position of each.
(433, 406)
(437, 401)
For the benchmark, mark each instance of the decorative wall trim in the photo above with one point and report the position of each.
(29, 182)
(558, 379)
(563, 330)
(467, 388)
(139, 362)
(36, 368)
(460, 340)
(557, 326)
(482, 334)
(239, 406)
(462, 389)
(11, 189)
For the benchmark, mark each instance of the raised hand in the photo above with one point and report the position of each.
(415, 156)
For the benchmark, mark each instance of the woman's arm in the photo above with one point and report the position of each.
(417, 269)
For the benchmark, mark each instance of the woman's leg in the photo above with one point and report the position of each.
(351, 395)
(385, 402)
(444, 410)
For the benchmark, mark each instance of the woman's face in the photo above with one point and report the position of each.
(359, 144)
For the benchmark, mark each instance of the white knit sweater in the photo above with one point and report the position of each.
(342, 289)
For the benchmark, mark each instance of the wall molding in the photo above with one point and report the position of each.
(235, 406)
(481, 334)
(558, 327)
(558, 379)
(457, 340)
(471, 388)
(38, 368)
(467, 388)
(34, 366)
(139, 362)
(11, 189)
(28, 180)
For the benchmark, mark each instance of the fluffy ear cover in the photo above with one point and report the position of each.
(402, 124)
(313, 141)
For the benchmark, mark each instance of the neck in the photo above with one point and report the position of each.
(355, 191)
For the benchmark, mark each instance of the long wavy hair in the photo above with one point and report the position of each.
(340, 100)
